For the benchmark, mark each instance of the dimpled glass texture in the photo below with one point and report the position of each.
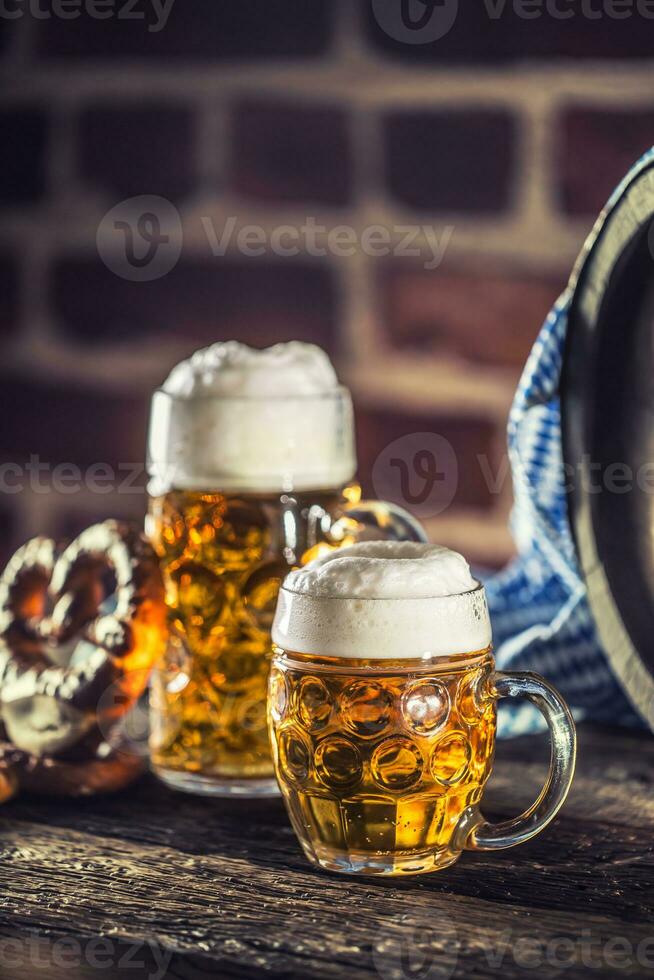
(377, 762)
(223, 558)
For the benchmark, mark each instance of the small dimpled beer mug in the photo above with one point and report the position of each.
(382, 711)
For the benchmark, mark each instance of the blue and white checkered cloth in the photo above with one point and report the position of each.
(539, 607)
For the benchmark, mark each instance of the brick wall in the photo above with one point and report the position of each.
(503, 137)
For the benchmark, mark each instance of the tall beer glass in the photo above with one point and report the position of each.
(382, 711)
(251, 459)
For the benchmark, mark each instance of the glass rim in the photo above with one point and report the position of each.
(405, 598)
(334, 394)
(427, 662)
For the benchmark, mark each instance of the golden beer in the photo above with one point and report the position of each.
(223, 557)
(251, 461)
(382, 711)
(377, 766)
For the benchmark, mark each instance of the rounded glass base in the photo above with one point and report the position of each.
(362, 863)
(191, 782)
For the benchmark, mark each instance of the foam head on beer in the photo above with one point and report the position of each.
(382, 600)
(232, 368)
(234, 418)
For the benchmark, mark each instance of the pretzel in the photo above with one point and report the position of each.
(57, 704)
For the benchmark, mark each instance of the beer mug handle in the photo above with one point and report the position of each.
(477, 834)
(384, 521)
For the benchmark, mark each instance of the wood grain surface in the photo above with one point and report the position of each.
(155, 884)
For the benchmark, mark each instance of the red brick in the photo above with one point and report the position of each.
(69, 424)
(144, 149)
(199, 301)
(23, 137)
(203, 29)
(484, 317)
(469, 437)
(477, 37)
(8, 293)
(291, 152)
(451, 160)
(596, 147)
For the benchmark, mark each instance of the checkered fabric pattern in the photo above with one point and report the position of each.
(540, 612)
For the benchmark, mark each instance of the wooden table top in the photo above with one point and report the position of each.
(152, 883)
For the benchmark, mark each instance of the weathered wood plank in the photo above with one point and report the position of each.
(222, 889)
(243, 915)
(613, 868)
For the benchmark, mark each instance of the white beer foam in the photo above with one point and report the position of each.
(383, 600)
(385, 570)
(234, 418)
(240, 371)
